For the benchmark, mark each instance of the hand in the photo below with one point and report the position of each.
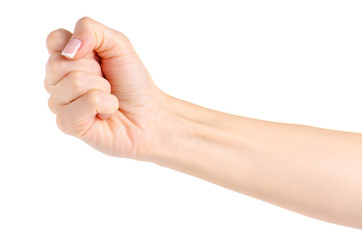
(103, 94)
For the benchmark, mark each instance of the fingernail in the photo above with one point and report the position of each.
(72, 48)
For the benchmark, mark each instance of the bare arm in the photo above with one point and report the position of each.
(313, 171)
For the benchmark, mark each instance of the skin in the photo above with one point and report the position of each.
(105, 96)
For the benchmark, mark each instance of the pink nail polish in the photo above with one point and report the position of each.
(72, 48)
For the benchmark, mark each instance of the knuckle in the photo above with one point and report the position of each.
(53, 65)
(76, 79)
(47, 87)
(51, 104)
(93, 97)
(85, 21)
(108, 87)
(49, 65)
(125, 38)
(60, 120)
(52, 36)
(94, 67)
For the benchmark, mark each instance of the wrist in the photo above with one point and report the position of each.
(183, 136)
(168, 131)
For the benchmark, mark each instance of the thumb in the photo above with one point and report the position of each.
(90, 35)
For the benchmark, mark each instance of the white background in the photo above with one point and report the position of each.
(287, 61)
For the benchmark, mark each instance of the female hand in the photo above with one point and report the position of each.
(103, 94)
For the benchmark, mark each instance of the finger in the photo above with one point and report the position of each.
(77, 117)
(90, 35)
(58, 39)
(75, 85)
(58, 67)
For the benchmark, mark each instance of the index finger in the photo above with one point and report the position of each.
(57, 40)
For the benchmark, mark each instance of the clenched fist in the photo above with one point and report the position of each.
(100, 90)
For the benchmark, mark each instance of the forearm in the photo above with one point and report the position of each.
(313, 171)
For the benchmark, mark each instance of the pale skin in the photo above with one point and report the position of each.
(105, 96)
